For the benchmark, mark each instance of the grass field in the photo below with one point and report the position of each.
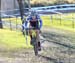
(12, 39)
(64, 21)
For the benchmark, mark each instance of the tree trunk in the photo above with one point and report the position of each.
(1, 26)
(21, 7)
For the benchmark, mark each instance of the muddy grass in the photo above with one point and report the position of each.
(57, 47)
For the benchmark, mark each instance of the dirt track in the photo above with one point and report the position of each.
(57, 47)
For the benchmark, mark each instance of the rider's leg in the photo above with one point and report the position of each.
(37, 32)
(30, 33)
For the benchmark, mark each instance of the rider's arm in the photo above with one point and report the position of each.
(40, 23)
(40, 20)
(26, 22)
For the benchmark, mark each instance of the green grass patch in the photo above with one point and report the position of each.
(65, 22)
(13, 40)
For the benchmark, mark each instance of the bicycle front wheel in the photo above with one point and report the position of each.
(36, 48)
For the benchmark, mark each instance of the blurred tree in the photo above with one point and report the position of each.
(1, 26)
(21, 7)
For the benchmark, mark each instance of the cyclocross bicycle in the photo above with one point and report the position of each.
(34, 40)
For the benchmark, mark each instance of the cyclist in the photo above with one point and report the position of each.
(35, 21)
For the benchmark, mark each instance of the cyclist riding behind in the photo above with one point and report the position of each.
(34, 21)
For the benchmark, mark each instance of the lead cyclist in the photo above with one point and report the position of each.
(33, 20)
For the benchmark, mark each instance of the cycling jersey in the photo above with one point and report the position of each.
(33, 22)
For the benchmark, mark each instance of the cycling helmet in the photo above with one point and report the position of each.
(33, 13)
